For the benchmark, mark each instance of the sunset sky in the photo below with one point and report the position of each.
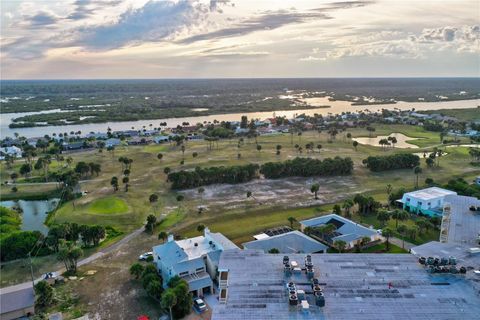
(245, 38)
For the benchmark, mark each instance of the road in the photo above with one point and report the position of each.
(82, 262)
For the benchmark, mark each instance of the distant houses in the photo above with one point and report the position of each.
(195, 260)
(13, 151)
(342, 229)
(427, 201)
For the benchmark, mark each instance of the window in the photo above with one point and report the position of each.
(183, 274)
(419, 203)
(200, 269)
(408, 199)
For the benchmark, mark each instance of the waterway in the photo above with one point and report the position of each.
(336, 107)
(34, 213)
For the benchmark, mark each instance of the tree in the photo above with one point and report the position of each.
(201, 190)
(417, 170)
(160, 156)
(25, 169)
(136, 270)
(114, 183)
(337, 210)
(200, 228)
(44, 294)
(387, 233)
(430, 162)
(125, 181)
(347, 205)
(389, 190)
(180, 197)
(274, 250)
(169, 300)
(183, 151)
(154, 289)
(151, 220)
(69, 255)
(259, 147)
(355, 144)
(314, 189)
(162, 236)
(291, 220)
(402, 229)
(399, 215)
(14, 177)
(278, 147)
(383, 216)
(340, 245)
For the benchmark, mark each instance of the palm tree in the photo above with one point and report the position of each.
(383, 216)
(399, 215)
(347, 205)
(162, 236)
(417, 170)
(340, 245)
(200, 228)
(159, 156)
(387, 233)
(389, 190)
(314, 189)
(259, 147)
(169, 300)
(279, 147)
(355, 144)
(402, 229)
(291, 220)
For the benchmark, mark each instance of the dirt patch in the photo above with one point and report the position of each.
(292, 192)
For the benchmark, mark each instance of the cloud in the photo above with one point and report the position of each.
(155, 21)
(86, 8)
(269, 20)
(40, 19)
(312, 58)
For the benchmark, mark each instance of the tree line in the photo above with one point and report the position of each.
(206, 176)
(391, 162)
(307, 167)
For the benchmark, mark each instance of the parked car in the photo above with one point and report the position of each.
(199, 305)
(144, 256)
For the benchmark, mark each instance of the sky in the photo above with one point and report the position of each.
(103, 39)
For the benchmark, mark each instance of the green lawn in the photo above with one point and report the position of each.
(382, 248)
(109, 205)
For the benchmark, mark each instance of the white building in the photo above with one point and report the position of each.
(427, 201)
(195, 260)
(12, 151)
(112, 142)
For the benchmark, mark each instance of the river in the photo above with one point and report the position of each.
(336, 107)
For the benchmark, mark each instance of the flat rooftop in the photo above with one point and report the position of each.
(355, 287)
(430, 193)
(464, 225)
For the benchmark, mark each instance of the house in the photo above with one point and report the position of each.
(17, 302)
(112, 142)
(290, 242)
(97, 136)
(12, 151)
(345, 229)
(239, 130)
(195, 260)
(139, 141)
(477, 181)
(161, 139)
(74, 145)
(427, 201)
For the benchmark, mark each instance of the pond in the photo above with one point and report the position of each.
(34, 212)
(402, 140)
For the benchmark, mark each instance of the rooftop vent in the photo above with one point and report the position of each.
(196, 244)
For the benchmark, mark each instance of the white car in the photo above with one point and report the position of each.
(144, 256)
(199, 305)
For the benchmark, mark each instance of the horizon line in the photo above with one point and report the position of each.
(245, 78)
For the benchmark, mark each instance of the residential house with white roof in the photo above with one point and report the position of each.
(345, 229)
(12, 151)
(427, 201)
(194, 259)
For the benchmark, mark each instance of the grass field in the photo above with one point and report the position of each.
(108, 205)
(128, 210)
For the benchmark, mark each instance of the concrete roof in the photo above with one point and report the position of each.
(464, 225)
(12, 299)
(430, 193)
(290, 242)
(355, 287)
(349, 230)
